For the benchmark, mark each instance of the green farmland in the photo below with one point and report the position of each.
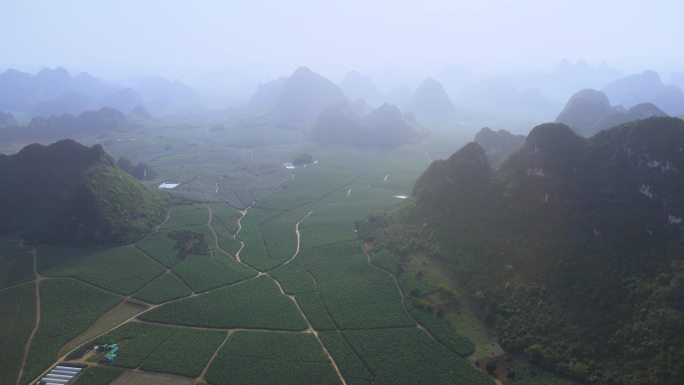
(282, 292)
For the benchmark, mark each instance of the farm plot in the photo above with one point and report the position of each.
(312, 306)
(136, 342)
(68, 307)
(203, 273)
(145, 378)
(16, 269)
(255, 304)
(353, 369)
(308, 185)
(164, 288)
(356, 295)
(294, 279)
(186, 216)
(98, 375)
(263, 358)
(106, 268)
(17, 319)
(185, 353)
(255, 252)
(409, 356)
(225, 217)
(161, 247)
(107, 321)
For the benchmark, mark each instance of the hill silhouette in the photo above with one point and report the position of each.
(299, 98)
(572, 248)
(67, 193)
(383, 127)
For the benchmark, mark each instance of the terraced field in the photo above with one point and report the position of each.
(285, 293)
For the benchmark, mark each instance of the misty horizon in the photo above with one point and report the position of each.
(223, 45)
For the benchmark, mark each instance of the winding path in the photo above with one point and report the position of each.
(38, 279)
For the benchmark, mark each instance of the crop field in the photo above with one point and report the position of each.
(98, 375)
(315, 312)
(355, 307)
(263, 358)
(202, 273)
(161, 247)
(16, 269)
(225, 217)
(17, 319)
(353, 369)
(107, 321)
(426, 362)
(137, 341)
(185, 353)
(164, 288)
(106, 268)
(68, 307)
(187, 216)
(255, 304)
(294, 279)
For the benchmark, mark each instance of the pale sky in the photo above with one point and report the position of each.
(263, 38)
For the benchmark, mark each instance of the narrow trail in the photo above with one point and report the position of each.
(311, 330)
(299, 238)
(239, 228)
(202, 375)
(38, 279)
(385, 179)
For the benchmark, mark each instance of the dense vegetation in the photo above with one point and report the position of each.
(61, 299)
(573, 247)
(71, 194)
(272, 358)
(17, 317)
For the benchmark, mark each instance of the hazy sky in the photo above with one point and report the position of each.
(268, 37)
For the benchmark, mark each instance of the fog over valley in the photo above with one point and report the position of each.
(341, 192)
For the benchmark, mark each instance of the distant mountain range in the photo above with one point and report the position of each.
(646, 87)
(357, 86)
(63, 126)
(56, 92)
(573, 247)
(7, 120)
(298, 98)
(589, 111)
(383, 127)
(431, 106)
(67, 193)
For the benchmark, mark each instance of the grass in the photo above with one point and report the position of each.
(253, 304)
(164, 288)
(98, 375)
(107, 321)
(16, 269)
(17, 319)
(103, 267)
(425, 362)
(146, 378)
(68, 308)
(260, 358)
